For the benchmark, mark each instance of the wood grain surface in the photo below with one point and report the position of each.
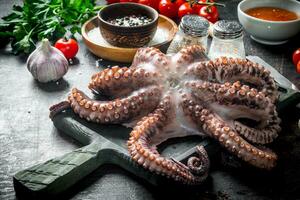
(27, 136)
(166, 27)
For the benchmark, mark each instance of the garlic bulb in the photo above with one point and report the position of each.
(46, 63)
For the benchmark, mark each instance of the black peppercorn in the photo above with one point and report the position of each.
(132, 20)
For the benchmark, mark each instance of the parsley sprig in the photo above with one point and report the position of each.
(38, 19)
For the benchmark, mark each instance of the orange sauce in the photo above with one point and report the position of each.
(272, 14)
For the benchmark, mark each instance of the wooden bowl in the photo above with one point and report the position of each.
(166, 30)
(122, 36)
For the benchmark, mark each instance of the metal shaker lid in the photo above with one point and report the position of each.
(194, 25)
(227, 29)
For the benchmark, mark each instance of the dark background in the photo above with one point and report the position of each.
(27, 136)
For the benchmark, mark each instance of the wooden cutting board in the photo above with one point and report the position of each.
(106, 144)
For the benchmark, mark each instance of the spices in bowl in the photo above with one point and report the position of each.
(131, 20)
(128, 25)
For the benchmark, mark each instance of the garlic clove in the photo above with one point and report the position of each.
(46, 63)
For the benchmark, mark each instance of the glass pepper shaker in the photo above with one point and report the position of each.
(192, 31)
(227, 40)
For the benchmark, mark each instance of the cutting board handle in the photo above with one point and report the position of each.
(58, 174)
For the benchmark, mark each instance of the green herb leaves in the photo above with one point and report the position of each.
(39, 19)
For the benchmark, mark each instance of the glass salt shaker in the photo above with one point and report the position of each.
(192, 31)
(227, 40)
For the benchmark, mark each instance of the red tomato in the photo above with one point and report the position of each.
(124, 1)
(185, 9)
(298, 67)
(296, 56)
(68, 47)
(112, 1)
(155, 4)
(180, 2)
(210, 13)
(168, 8)
(146, 2)
(151, 3)
(197, 7)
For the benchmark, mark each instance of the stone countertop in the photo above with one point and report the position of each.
(27, 135)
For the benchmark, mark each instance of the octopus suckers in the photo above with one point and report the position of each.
(162, 96)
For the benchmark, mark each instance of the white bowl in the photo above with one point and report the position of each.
(265, 31)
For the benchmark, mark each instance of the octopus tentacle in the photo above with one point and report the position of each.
(237, 145)
(260, 136)
(228, 93)
(230, 70)
(213, 125)
(117, 111)
(57, 108)
(120, 81)
(257, 106)
(146, 58)
(199, 165)
(188, 55)
(139, 146)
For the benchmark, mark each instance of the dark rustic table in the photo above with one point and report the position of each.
(27, 136)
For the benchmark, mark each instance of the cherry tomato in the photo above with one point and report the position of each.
(298, 67)
(151, 3)
(296, 56)
(125, 1)
(146, 2)
(68, 47)
(197, 7)
(185, 9)
(180, 2)
(112, 1)
(210, 13)
(168, 8)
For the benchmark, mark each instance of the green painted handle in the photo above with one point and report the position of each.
(58, 174)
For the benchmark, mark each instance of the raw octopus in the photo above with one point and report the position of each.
(165, 96)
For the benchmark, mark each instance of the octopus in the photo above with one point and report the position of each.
(165, 96)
